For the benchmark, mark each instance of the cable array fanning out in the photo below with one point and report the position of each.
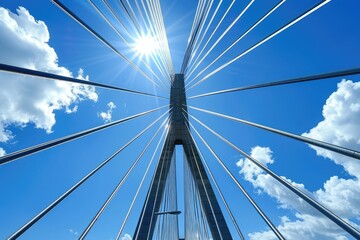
(213, 44)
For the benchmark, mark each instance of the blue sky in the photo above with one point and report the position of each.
(325, 41)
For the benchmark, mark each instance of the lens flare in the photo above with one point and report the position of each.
(145, 45)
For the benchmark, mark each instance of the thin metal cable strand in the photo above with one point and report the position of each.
(137, 22)
(187, 76)
(335, 148)
(121, 182)
(140, 185)
(197, 22)
(156, 15)
(40, 215)
(51, 76)
(257, 208)
(163, 224)
(200, 36)
(264, 40)
(206, 192)
(220, 38)
(330, 215)
(317, 77)
(43, 146)
(157, 192)
(195, 216)
(152, 180)
(203, 36)
(156, 34)
(101, 39)
(121, 37)
(218, 189)
(239, 38)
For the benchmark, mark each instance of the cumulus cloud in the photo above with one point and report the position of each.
(25, 100)
(107, 116)
(126, 237)
(305, 227)
(340, 126)
(264, 183)
(2, 152)
(309, 224)
(250, 171)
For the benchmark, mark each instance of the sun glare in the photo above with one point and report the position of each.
(145, 45)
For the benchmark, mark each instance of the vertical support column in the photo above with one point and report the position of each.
(146, 223)
(179, 135)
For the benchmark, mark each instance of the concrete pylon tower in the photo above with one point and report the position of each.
(179, 135)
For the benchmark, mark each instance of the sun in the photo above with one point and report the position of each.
(145, 45)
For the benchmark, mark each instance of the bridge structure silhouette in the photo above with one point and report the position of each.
(204, 203)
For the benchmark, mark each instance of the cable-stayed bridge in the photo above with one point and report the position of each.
(206, 212)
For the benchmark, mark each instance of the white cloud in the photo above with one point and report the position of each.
(340, 126)
(250, 171)
(24, 100)
(126, 237)
(309, 224)
(305, 227)
(107, 116)
(2, 152)
(264, 183)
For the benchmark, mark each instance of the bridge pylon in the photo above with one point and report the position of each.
(180, 135)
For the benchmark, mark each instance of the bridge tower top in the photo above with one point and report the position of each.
(177, 104)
